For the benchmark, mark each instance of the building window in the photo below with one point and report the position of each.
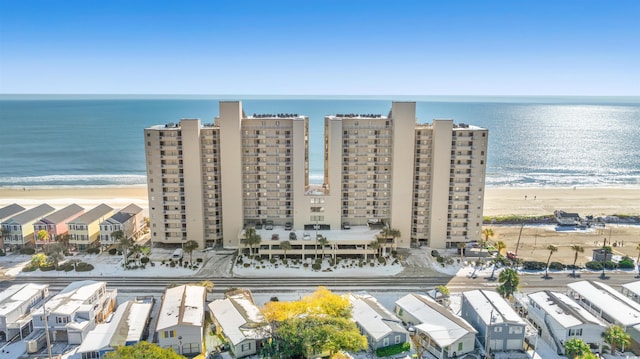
(460, 347)
(385, 342)
(497, 329)
(245, 347)
(169, 334)
(397, 339)
(515, 330)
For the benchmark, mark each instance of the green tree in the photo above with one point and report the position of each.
(577, 249)
(56, 254)
(143, 350)
(285, 246)
(123, 242)
(64, 240)
(190, 246)
(251, 238)
(509, 282)
(616, 337)
(500, 245)
(388, 232)
(576, 347)
(552, 249)
(606, 253)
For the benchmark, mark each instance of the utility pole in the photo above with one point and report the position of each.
(519, 235)
(46, 326)
(487, 343)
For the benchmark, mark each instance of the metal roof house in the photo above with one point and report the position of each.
(126, 326)
(9, 211)
(76, 310)
(558, 318)
(129, 220)
(239, 320)
(378, 324)
(16, 303)
(85, 229)
(181, 319)
(443, 334)
(632, 290)
(20, 226)
(55, 224)
(494, 319)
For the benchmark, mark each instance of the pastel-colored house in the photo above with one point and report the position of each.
(16, 303)
(494, 319)
(85, 229)
(442, 333)
(55, 224)
(240, 321)
(125, 327)
(129, 220)
(20, 227)
(559, 318)
(7, 212)
(378, 324)
(181, 319)
(76, 310)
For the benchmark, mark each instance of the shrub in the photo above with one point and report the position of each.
(113, 251)
(29, 268)
(285, 261)
(144, 260)
(556, 266)
(172, 264)
(199, 260)
(610, 265)
(381, 260)
(626, 263)
(372, 264)
(246, 265)
(393, 350)
(2, 254)
(360, 264)
(47, 268)
(440, 259)
(272, 260)
(594, 265)
(534, 265)
(93, 250)
(84, 267)
(152, 264)
(27, 250)
(306, 265)
(274, 299)
(316, 266)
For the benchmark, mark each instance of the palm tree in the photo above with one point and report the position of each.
(43, 236)
(509, 281)
(487, 233)
(64, 240)
(576, 347)
(375, 245)
(323, 242)
(123, 242)
(285, 246)
(190, 246)
(616, 336)
(388, 232)
(552, 249)
(578, 249)
(606, 252)
(500, 245)
(56, 254)
(252, 238)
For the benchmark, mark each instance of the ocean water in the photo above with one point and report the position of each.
(533, 141)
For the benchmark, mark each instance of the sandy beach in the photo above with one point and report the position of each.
(498, 202)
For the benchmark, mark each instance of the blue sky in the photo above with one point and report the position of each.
(367, 47)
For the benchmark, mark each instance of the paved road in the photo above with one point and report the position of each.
(529, 282)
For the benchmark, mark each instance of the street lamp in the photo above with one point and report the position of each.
(180, 342)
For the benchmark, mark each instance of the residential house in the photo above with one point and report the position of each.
(20, 226)
(378, 324)
(76, 310)
(494, 319)
(567, 218)
(55, 224)
(181, 319)
(6, 213)
(558, 318)
(608, 304)
(127, 326)
(85, 229)
(442, 333)
(632, 290)
(600, 255)
(240, 321)
(16, 303)
(129, 220)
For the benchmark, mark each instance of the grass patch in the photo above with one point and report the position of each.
(393, 350)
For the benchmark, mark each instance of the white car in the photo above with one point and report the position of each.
(306, 236)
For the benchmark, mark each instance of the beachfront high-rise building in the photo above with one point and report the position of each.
(207, 182)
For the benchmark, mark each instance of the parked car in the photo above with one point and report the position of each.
(293, 236)
(288, 226)
(512, 256)
(275, 237)
(268, 225)
(346, 225)
(306, 236)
